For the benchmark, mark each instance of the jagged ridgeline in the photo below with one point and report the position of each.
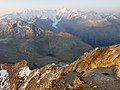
(96, 69)
(96, 29)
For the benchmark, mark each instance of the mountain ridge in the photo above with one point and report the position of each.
(87, 72)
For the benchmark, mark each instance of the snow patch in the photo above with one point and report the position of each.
(56, 21)
(24, 72)
(3, 80)
(48, 71)
(53, 64)
(51, 78)
(1, 66)
(61, 64)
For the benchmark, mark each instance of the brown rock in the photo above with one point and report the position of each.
(77, 82)
(43, 78)
(100, 57)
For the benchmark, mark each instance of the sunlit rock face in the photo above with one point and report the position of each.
(90, 71)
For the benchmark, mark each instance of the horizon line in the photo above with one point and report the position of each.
(84, 10)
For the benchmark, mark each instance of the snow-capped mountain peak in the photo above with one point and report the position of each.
(43, 14)
(55, 16)
(64, 10)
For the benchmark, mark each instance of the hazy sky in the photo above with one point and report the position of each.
(7, 6)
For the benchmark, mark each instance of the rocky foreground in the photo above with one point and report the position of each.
(98, 69)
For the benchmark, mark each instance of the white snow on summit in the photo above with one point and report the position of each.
(43, 14)
(56, 16)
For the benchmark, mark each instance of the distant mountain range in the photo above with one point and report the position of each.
(93, 28)
(55, 35)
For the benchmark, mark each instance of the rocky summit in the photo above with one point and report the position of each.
(98, 69)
